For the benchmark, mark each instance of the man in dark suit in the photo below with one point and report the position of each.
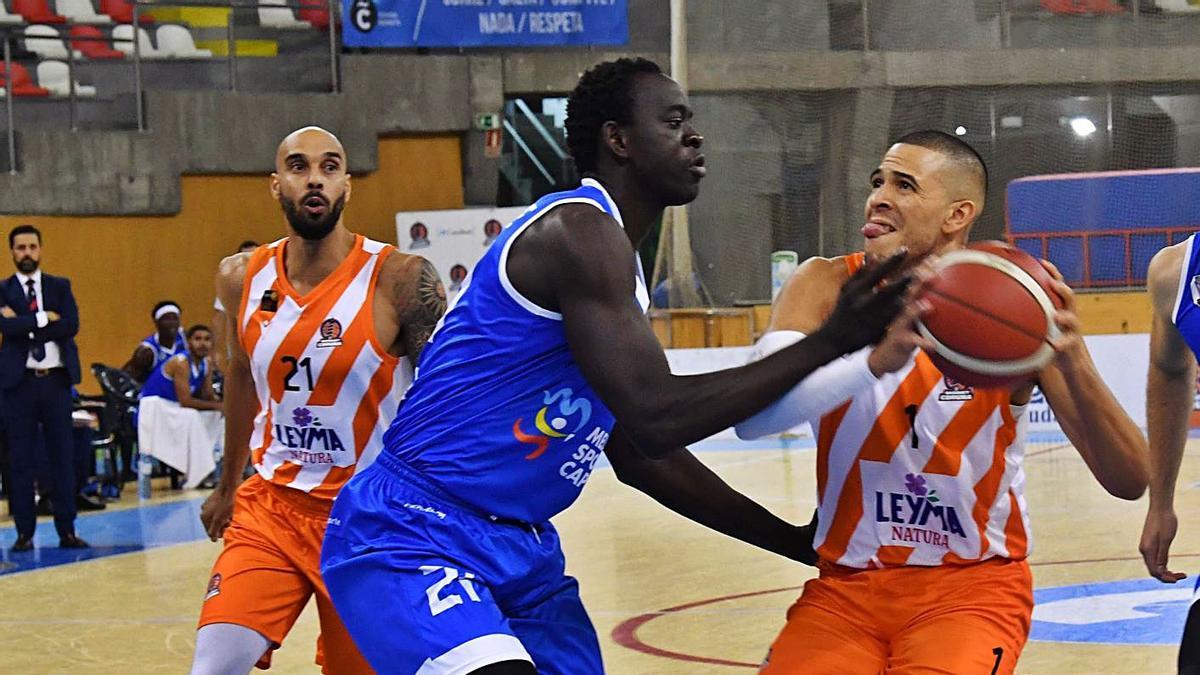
(38, 364)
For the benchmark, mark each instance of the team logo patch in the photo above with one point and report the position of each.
(331, 334)
(554, 426)
(214, 587)
(956, 391)
(269, 301)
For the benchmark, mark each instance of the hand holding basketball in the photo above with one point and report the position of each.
(900, 341)
(1068, 345)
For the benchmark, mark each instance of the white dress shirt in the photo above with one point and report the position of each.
(53, 358)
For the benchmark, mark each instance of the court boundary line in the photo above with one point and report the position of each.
(625, 632)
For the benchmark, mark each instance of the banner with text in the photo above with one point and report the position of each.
(484, 23)
(453, 239)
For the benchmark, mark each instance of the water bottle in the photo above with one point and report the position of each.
(145, 467)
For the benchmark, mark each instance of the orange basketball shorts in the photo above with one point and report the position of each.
(269, 568)
(906, 620)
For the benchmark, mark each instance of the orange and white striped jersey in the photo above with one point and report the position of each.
(326, 388)
(921, 470)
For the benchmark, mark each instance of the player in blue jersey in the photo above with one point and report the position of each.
(166, 341)
(1174, 285)
(440, 557)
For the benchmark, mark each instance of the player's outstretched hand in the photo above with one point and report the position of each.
(217, 512)
(1157, 535)
(867, 304)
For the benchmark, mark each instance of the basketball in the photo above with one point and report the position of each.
(992, 315)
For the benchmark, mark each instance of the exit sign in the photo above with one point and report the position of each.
(486, 121)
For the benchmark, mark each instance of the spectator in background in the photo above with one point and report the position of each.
(38, 364)
(165, 342)
(173, 424)
(220, 353)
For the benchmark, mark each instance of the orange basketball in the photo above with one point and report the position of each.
(992, 315)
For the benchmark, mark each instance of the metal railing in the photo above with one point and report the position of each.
(233, 6)
(10, 33)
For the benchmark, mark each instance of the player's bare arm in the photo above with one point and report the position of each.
(217, 511)
(1169, 387)
(411, 302)
(579, 262)
(1109, 442)
(140, 362)
(178, 370)
(683, 484)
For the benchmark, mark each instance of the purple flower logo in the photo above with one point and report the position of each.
(915, 483)
(302, 417)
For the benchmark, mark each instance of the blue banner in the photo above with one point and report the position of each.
(484, 23)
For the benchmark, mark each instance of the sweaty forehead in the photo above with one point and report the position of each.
(311, 143)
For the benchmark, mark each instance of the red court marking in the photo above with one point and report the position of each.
(625, 633)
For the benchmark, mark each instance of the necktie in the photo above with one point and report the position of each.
(38, 349)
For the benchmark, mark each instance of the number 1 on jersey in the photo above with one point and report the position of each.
(911, 411)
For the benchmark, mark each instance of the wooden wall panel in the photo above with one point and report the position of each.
(120, 266)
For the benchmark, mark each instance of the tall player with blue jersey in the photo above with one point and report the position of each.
(440, 557)
(1174, 284)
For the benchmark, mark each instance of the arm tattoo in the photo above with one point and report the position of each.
(423, 310)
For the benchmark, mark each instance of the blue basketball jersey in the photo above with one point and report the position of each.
(158, 384)
(499, 414)
(1187, 304)
(163, 352)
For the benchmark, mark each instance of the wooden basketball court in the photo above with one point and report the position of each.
(666, 596)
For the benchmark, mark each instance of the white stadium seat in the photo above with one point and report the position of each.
(46, 43)
(281, 16)
(7, 19)
(176, 41)
(123, 41)
(55, 76)
(80, 11)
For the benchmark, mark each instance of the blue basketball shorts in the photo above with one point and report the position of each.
(425, 585)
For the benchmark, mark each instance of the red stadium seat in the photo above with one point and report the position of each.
(22, 83)
(93, 49)
(121, 11)
(317, 16)
(37, 11)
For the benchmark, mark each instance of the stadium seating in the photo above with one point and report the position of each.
(121, 11)
(176, 42)
(123, 41)
(55, 76)
(7, 19)
(22, 83)
(46, 43)
(280, 17)
(93, 49)
(80, 11)
(37, 11)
